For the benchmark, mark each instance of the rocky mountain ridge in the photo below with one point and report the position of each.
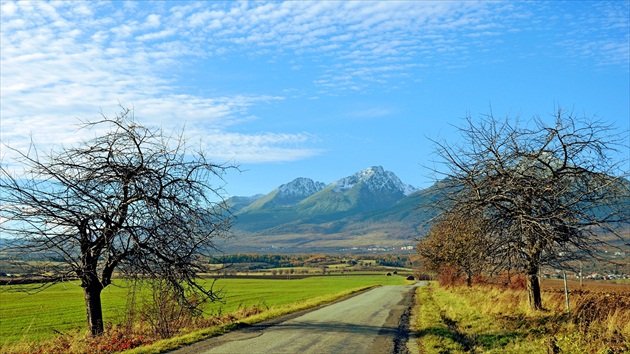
(301, 187)
(376, 178)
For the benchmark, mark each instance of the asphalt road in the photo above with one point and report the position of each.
(375, 322)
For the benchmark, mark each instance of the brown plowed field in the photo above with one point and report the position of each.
(589, 286)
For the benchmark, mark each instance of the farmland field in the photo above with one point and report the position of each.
(61, 309)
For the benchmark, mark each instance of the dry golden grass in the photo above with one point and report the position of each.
(599, 319)
(493, 319)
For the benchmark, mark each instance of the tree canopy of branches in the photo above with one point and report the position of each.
(132, 201)
(547, 194)
(457, 244)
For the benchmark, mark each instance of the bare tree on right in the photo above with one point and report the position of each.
(548, 194)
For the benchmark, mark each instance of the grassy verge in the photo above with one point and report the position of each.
(493, 320)
(57, 315)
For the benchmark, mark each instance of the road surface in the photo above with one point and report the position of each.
(375, 322)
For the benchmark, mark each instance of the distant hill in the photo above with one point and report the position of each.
(238, 203)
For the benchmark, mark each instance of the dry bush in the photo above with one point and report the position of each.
(167, 313)
(421, 275)
(507, 280)
(111, 341)
(592, 308)
(604, 317)
(600, 314)
(479, 279)
(114, 340)
(449, 277)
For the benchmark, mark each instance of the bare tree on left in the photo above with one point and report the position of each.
(132, 201)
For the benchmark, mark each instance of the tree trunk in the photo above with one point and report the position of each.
(533, 291)
(92, 294)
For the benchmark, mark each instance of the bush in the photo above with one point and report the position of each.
(598, 308)
(167, 313)
(449, 276)
(510, 281)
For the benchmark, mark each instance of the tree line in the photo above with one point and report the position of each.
(300, 260)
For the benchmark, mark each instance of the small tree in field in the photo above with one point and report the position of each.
(132, 201)
(547, 194)
(456, 243)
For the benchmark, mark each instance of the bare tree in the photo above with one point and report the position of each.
(132, 201)
(547, 194)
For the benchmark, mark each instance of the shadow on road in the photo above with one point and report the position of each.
(328, 327)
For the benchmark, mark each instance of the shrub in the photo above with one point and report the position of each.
(167, 313)
(449, 276)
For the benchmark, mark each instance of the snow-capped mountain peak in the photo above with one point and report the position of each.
(300, 187)
(375, 178)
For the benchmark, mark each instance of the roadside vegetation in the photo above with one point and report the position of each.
(496, 319)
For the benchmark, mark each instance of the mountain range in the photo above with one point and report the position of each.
(369, 210)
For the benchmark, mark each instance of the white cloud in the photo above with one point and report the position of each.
(350, 32)
(58, 67)
(8, 9)
(369, 113)
(62, 60)
(601, 35)
(156, 35)
(260, 148)
(152, 21)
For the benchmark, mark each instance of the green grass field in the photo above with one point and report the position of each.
(61, 308)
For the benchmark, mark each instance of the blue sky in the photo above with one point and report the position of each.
(309, 89)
